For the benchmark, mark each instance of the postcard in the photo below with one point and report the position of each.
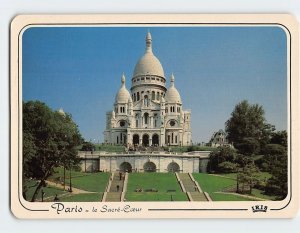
(154, 116)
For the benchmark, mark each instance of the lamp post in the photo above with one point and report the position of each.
(64, 174)
(70, 189)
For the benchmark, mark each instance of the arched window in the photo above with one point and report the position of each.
(146, 116)
(136, 123)
(157, 95)
(134, 97)
(176, 139)
(172, 137)
(153, 95)
(138, 96)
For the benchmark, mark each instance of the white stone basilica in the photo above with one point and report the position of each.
(150, 114)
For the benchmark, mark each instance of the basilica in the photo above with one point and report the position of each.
(149, 114)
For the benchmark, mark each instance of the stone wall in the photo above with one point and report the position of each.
(146, 162)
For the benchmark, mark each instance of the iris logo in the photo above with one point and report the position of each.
(259, 208)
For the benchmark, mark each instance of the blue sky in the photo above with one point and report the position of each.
(79, 69)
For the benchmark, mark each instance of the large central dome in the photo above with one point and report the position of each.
(148, 63)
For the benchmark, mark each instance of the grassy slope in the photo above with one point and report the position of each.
(145, 196)
(211, 183)
(227, 197)
(261, 175)
(92, 182)
(49, 190)
(160, 181)
(83, 197)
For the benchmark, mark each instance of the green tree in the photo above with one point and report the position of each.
(247, 177)
(50, 139)
(280, 138)
(88, 146)
(218, 157)
(276, 160)
(247, 128)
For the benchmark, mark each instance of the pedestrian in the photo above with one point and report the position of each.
(43, 194)
(118, 187)
(56, 198)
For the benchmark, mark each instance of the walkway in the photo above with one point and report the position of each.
(114, 194)
(191, 187)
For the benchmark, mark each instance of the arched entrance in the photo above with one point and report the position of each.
(149, 167)
(136, 139)
(145, 140)
(125, 167)
(155, 140)
(173, 167)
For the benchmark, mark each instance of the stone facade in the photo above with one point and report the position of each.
(144, 162)
(219, 139)
(150, 114)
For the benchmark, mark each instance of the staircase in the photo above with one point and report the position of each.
(191, 187)
(114, 195)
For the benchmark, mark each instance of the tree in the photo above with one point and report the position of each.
(276, 160)
(247, 128)
(280, 138)
(218, 157)
(50, 139)
(247, 177)
(88, 146)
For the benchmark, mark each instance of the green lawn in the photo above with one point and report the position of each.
(83, 197)
(92, 182)
(160, 181)
(49, 190)
(260, 194)
(261, 175)
(228, 197)
(147, 196)
(211, 183)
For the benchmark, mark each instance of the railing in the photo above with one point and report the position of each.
(97, 155)
(124, 187)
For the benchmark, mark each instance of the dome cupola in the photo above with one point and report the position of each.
(123, 94)
(172, 94)
(148, 63)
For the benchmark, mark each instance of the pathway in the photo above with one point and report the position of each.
(191, 187)
(114, 194)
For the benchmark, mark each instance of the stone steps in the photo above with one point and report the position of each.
(114, 194)
(191, 187)
(197, 196)
(113, 197)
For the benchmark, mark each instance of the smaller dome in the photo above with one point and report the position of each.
(123, 94)
(172, 94)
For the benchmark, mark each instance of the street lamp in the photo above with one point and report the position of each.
(70, 189)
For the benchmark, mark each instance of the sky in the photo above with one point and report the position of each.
(79, 69)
